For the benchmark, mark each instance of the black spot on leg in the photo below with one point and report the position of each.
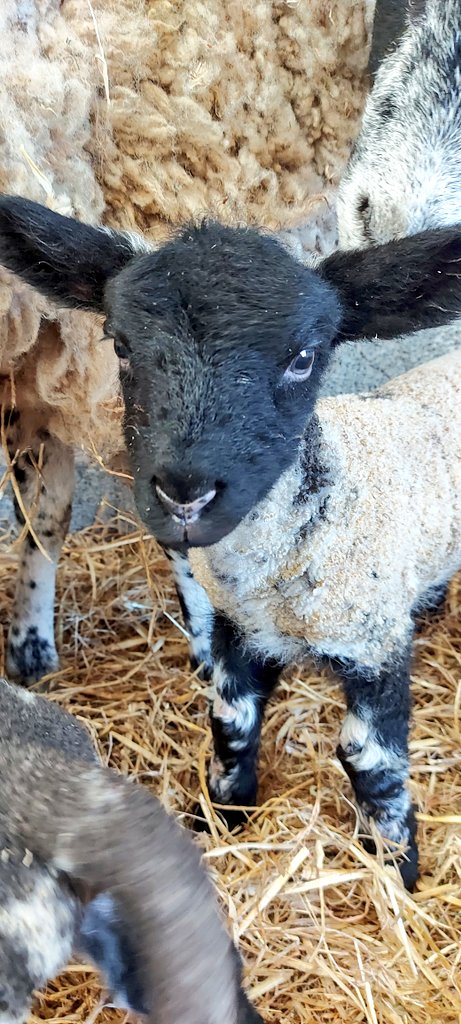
(33, 657)
(20, 474)
(30, 541)
(32, 584)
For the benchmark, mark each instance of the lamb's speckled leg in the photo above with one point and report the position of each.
(197, 613)
(47, 495)
(242, 685)
(374, 751)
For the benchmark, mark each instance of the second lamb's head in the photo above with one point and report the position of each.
(222, 338)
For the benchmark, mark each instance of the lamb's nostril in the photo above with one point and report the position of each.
(185, 512)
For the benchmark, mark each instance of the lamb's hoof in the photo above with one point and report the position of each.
(408, 865)
(30, 658)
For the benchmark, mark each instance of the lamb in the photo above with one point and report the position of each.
(403, 175)
(309, 522)
(87, 854)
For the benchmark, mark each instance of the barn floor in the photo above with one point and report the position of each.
(326, 932)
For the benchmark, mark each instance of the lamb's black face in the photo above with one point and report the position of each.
(222, 339)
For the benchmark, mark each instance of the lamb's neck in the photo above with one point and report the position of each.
(294, 503)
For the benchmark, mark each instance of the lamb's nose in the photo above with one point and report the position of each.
(187, 512)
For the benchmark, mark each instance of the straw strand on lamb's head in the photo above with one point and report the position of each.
(404, 172)
(238, 457)
(72, 830)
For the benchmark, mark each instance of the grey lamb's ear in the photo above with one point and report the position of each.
(407, 285)
(67, 261)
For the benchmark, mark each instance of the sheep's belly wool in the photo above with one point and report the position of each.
(339, 571)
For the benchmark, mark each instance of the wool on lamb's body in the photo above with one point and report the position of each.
(70, 831)
(337, 557)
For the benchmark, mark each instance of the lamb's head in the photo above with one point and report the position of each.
(404, 172)
(222, 338)
(221, 362)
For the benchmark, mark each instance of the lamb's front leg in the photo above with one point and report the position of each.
(242, 684)
(45, 478)
(197, 613)
(374, 751)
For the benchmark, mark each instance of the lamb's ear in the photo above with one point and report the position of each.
(65, 260)
(398, 288)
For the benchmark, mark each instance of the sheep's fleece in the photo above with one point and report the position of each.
(391, 468)
(245, 111)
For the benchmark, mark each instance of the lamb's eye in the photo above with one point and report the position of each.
(300, 367)
(122, 353)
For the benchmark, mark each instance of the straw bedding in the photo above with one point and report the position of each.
(327, 933)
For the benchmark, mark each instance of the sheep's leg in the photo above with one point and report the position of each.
(242, 685)
(197, 613)
(104, 937)
(46, 493)
(374, 751)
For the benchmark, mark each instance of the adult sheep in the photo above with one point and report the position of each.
(324, 535)
(89, 856)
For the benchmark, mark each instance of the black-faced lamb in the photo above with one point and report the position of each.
(328, 522)
(90, 858)
(403, 175)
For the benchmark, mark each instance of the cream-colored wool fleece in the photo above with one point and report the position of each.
(344, 582)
